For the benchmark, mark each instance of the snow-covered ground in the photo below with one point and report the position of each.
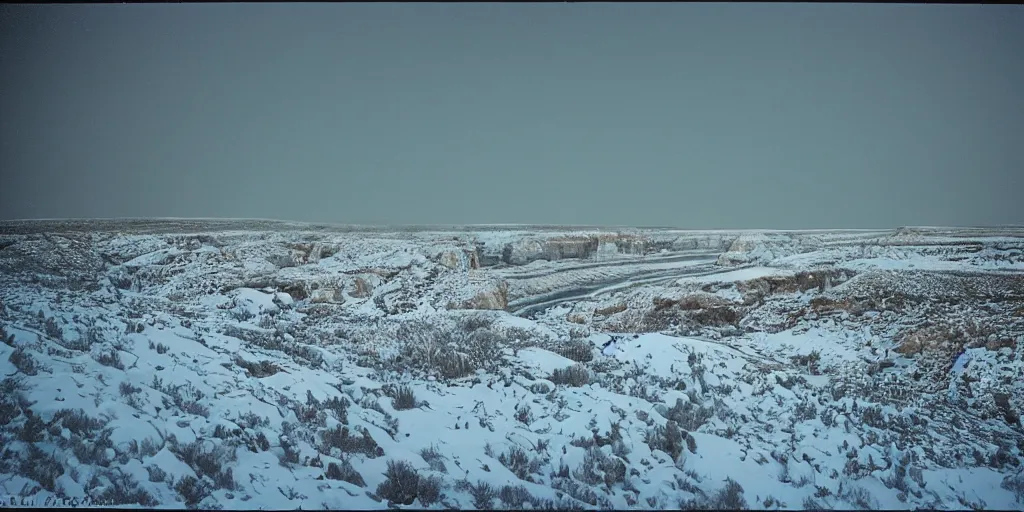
(253, 364)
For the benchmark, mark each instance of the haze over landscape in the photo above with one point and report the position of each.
(502, 331)
(691, 115)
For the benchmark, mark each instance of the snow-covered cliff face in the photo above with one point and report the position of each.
(522, 248)
(226, 364)
(763, 248)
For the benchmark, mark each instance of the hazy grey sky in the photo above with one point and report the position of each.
(689, 115)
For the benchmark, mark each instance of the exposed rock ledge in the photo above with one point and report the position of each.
(763, 247)
(492, 295)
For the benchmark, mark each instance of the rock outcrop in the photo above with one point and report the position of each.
(362, 286)
(823, 279)
(331, 295)
(491, 295)
(527, 250)
(764, 247)
(456, 258)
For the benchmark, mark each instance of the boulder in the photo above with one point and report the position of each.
(361, 287)
(327, 295)
(454, 258)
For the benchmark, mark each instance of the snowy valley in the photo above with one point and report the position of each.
(257, 364)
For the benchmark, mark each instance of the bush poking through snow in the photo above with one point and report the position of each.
(252, 421)
(576, 375)
(7, 339)
(12, 399)
(8, 411)
(33, 430)
(41, 467)
(482, 493)
(78, 422)
(519, 463)
(127, 389)
(24, 362)
(93, 451)
(208, 463)
(339, 406)
(186, 397)
(345, 472)
(729, 497)
(453, 352)
(809, 361)
(404, 399)
(524, 414)
(577, 350)
(110, 358)
(582, 492)
(598, 468)
(311, 413)
(857, 495)
(192, 490)
(434, 459)
(812, 505)
(260, 443)
(401, 483)
(688, 416)
(258, 370)
(513, 497)
(432, 348)
(428, 490)
(1015, 484)
(156, 474)
(124, 490)
(340, 438)
(54, 331)
(669, 439)
(474, 322)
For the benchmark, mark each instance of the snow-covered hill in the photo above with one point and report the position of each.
(254, 364)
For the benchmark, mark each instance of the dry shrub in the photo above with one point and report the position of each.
(345, 472)
(340, 437)
(41, 467)
(401, 485)
(514, 497)
(404, 399)
(476, 321)
(519, 463)
(578, 350)
(576, 375)
(482, 493)
(688, 416)
(208, 460)
(24, 362)
(729, 497)
(260, 369)
(434, 458)
(669, 439)
(192, 490)
(599, 468)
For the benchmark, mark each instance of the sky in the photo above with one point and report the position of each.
(700, 116)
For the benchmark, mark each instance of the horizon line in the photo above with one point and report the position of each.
(474, 225)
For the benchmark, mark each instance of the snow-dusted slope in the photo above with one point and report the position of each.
(245, 364)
